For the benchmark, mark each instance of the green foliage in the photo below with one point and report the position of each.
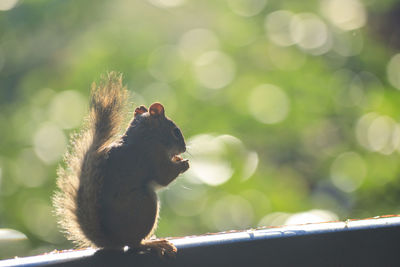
(287, 106)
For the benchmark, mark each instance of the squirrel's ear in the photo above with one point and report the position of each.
(156, 109)
(140, 110)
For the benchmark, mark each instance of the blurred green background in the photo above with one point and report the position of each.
(290, 108)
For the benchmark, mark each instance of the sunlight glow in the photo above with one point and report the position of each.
(197, 41)
(312, 216)
(269, 104)
(166, 3)
(166, 63)
(247, 8)
(232, 212)
(67, 109)
(49, 143)
(308, 31)
(393, 71)
(214, 69)
(277, 25)
(345, 14)
(348, 171)
(7, 4)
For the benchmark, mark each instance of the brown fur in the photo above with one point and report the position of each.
(107, 193)
(89, 149)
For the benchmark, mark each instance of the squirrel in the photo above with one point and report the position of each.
(106, 194)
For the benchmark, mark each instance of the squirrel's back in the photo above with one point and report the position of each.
(80, 180)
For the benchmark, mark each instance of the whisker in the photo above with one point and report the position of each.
(187, 187)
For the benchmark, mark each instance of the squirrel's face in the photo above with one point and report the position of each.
(160, 128)
(172, 137)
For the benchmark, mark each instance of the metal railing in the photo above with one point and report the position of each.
(368, 242)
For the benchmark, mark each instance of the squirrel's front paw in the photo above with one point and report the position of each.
(184, 165)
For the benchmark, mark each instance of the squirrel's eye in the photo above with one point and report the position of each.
(177, 133)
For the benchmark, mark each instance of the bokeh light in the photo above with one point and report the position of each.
(274, 219)
(308, 31)
(214, 69)
(345, 14)
(250, 164)
(232, 212)
(348, 171)
(312, 216)
(49, 143)
(247, 8)
(362, 128)
(30, 170)
(278, 27)
(393, 71)
(166, 63)
(167, 3)
(269, 104)
(378, 133)
(197, 41)
(210, 163)
(67, 109)
(383, 135)
(7, 4)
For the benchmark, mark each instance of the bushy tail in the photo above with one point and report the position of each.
(80, 181)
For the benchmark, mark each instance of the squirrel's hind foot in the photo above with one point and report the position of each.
(162, 247)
